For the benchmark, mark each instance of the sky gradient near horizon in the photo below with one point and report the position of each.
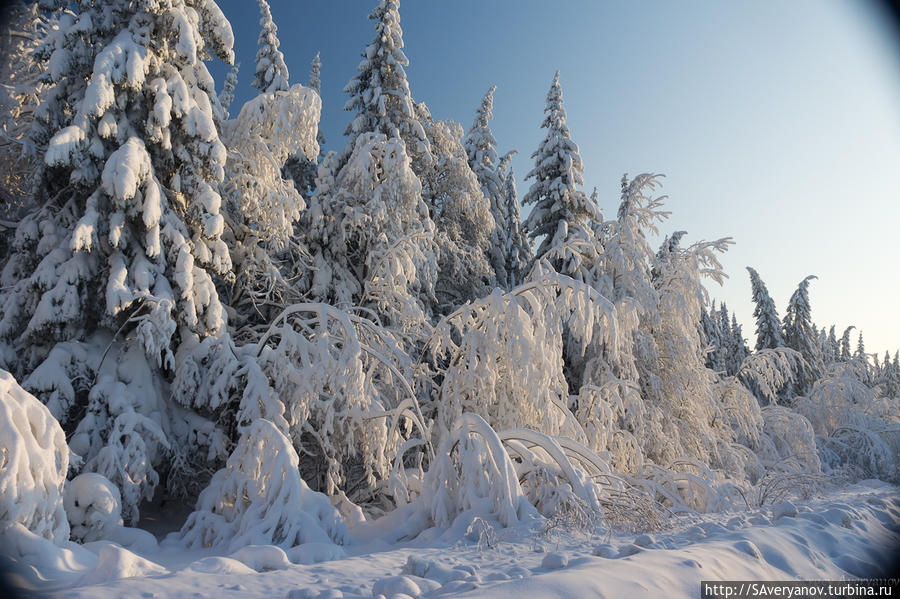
(775, 123)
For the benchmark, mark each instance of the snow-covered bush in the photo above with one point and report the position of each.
(34, 460)
(268, 129)
(259, 498)
(473, 471)
(462, 216)
(93, 506)
(501, 356)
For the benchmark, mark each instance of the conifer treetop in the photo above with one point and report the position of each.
(379, 93)
(271, 70)
(557, 173)
(315, 68)
(768, 327)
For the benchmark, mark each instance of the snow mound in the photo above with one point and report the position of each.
(219, 565)
(34, 459)
(93, 506)
(262, 557)
(116, 562)
(36, 560)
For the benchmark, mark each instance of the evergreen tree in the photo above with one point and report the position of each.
(300, 169)
(227, 95)
(379, 93)
(482, 157)
(559, 206)
(738, 350)
(315, 69)
(271, 71)
(768, 327)
(830, 347)
(518, 251)
(845, 353)
(126, 246)
(799, 334)
(713, 339)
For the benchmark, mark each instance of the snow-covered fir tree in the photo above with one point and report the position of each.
(799, 333)
(271, 73)
(480, 147)
(768, 326)
(226, 96)
(125, 249)
(559, 206)
(518, 252)
(845, 353)
(379, 93)
(738, 349)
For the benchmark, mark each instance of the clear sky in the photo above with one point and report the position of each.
(775, 123)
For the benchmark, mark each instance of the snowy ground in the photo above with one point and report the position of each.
(850, 533)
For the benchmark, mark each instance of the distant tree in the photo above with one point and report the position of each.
(559, 206)
(799, 333)
(226, 97)
(271, 71)
(518, 252)
(482, 156)
(768, 327)
(315, 70)
(845, 354)
(738, 349)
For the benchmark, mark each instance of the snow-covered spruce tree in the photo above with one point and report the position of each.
(480, 148)
(518, 252)
(845, 354)
(768, 326)
(714, 339)
(379, 93)
(737, 349)
(226, 96)
(559, 206)
(799, 335)
(461, 213)
(125, 248)
(271, 73)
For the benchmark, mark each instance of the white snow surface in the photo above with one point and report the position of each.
(848, 533)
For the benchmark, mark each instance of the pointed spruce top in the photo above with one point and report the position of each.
(271, 71)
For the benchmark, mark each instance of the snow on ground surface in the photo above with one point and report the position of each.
(849, 533)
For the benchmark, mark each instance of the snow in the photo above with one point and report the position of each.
(93, 506)
(848, 533)
(34, 459)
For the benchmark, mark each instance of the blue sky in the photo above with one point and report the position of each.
(775, 123)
